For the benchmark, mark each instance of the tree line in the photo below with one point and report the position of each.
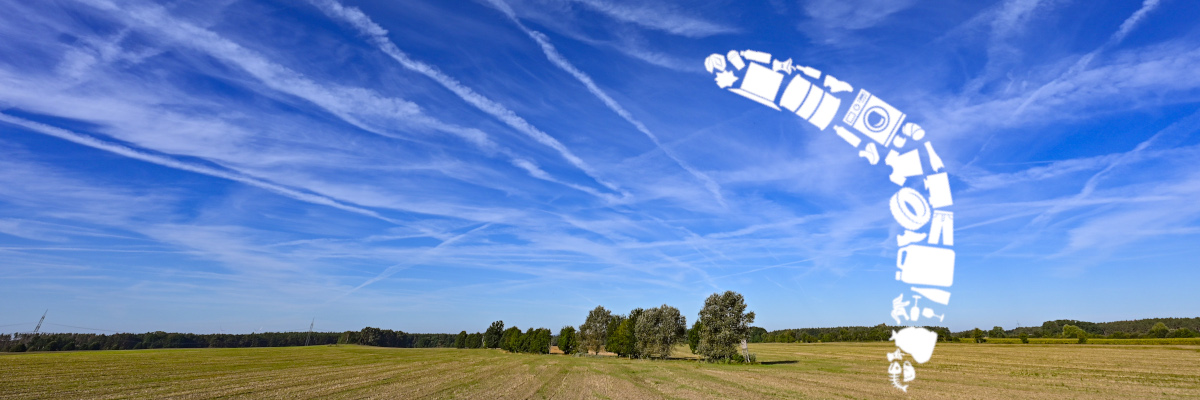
(1082, 330)
(877, 333)
(163, 340)
(158, 340)
(371, 336)
(642, 333)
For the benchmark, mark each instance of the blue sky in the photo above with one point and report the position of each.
(433, 166)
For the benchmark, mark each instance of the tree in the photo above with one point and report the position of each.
(567, 341)
(367, 336)
(460, 342)
(511, 340)
(610, 331)
(693, 336)
(786, 337)
(1072, 331)
(1159, 330)
(726, 325)
(491, 337)
(594, 330)
(474, 340)
(621, 340)
(541, 341)
(996, 332)
(977, 334)
(529, 342)
(657, 330)
(757, 334)
(1050, 329)
(1024, 337)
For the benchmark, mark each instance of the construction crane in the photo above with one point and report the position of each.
(39, 325)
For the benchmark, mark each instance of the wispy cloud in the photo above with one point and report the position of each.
(1116, 38)
(657, 17)
(558, 60)
(420, 258)
(171, 163)
(378, 36)
(832, 21)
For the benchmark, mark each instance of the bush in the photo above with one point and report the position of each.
(1182, 333)
(1024, 338)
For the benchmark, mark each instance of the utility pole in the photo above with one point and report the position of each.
(39, 325)
(310, 326)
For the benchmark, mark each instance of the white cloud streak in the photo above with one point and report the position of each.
(353, 105)
(172, 163)
(659, 18)
(1082, 64)
(558, 60)
(378, 36)
(423, 257)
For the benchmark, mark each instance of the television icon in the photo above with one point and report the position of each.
(874, 118)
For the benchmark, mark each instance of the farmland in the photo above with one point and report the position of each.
(825, 370)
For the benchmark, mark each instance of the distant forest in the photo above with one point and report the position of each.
(1142, 328)
(162, 340)
(1135, 329)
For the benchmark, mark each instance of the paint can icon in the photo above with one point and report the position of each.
(924, 265)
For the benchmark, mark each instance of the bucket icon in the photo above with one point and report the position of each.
(924, 265)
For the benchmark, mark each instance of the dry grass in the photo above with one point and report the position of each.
(834, 370)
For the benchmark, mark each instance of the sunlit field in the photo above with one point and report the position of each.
(834, 370)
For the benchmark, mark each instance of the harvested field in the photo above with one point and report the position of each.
(833, 370)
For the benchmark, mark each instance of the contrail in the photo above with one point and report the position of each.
(558, 60)
(378, 36)
(1113, 40)
(392, 270)
(176, 164)
(347, 103)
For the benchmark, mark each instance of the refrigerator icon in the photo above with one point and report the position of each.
(925, 265)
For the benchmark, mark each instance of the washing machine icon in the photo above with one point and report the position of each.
(874, 118)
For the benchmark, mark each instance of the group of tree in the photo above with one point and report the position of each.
(370, 336)
(531, 341)
(158, 340)
(1082, 330)
(466, 340)
(722, 326)
(512, 339)
(642, 333)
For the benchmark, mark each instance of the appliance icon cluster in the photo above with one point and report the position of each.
(878, 132)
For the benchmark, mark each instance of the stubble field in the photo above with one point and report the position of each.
(833, 370)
